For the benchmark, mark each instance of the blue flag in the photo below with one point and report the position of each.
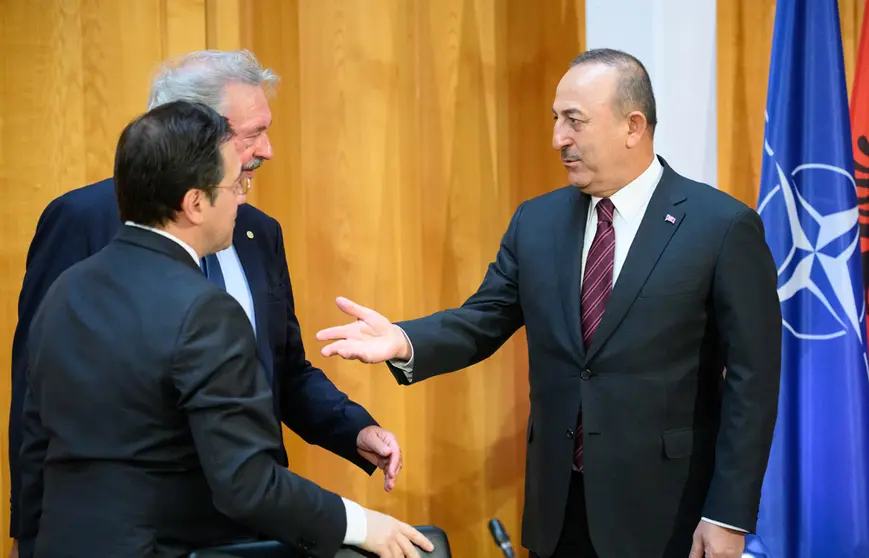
(815, 499)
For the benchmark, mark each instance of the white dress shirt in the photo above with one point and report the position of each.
(630, 206)
(233, 275)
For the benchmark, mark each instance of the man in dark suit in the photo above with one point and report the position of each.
(253, 270)
(148, 424)
(637, 287)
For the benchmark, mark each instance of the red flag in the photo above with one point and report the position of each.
(859, 133)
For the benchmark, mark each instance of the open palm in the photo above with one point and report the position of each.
(371, 338)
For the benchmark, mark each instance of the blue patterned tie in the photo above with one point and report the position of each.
(211, 267)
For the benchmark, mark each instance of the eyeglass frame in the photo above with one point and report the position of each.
(238, 187)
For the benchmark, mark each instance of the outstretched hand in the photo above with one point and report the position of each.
(371, 338)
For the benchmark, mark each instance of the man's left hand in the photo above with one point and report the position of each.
(380, 447)
(714, 541)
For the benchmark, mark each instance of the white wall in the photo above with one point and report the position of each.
(675, 40)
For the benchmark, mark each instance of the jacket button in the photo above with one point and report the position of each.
(571, 433)
(585, 374)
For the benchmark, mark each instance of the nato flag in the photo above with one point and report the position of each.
(815, 499)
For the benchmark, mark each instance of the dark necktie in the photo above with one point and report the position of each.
(211, 268)
(597, 284)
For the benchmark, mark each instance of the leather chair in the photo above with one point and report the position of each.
(275, 549)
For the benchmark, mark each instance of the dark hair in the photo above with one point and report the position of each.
(163, 154)
(634, 91)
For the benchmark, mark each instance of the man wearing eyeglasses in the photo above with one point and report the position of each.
(148, 423)
(253, 269)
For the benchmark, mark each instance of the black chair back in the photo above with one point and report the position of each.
(275, 549)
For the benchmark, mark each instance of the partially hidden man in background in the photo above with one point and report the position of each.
(636, 287)
(148, 422)
(253, 269)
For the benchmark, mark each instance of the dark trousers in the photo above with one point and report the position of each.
(574, 541)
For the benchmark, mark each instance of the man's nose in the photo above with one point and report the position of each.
(263, 147)
(560, 140)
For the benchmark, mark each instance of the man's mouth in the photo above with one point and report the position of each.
(253, 164)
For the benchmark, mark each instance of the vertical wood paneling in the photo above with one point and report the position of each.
(183, 26)
(222, 25)
(72, 74)
(851, 20)
(405, 134)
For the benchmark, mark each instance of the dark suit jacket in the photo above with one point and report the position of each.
(83, 221)
(148, 425)
(666, 441)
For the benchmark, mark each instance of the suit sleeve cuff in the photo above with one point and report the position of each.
(723, 525)
(357, 524)
(405, 366)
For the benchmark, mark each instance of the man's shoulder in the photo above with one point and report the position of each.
(711, 214)
(719, 202)
(251, 217)
(91, 208)
(98, 196)
(153, 276)
(548, 202)
(556, 196)
(253, 214)
(715, 203)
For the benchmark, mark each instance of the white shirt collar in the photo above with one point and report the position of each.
(161, 232)
(632, 198)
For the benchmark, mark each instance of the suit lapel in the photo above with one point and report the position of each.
(254, 271)
(568, 263)
(652, 238)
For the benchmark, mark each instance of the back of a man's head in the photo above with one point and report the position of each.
(164, 153)
(634, 89)
(202, 77)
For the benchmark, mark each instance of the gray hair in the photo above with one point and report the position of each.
(203, 75)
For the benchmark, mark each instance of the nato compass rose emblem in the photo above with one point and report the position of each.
(812, 246)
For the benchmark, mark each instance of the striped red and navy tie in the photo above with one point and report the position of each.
(597, 284)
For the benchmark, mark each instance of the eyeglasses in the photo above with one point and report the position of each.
(240, 187)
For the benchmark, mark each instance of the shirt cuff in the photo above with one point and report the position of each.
(357, 524)
(723, 525)
(405, 366)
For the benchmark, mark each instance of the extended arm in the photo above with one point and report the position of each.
(460, 337)
(445, 341)
(228, 401)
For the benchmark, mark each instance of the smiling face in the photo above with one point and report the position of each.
(596, 137)
(247, 109)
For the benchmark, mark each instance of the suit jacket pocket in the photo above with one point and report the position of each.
(678, 443)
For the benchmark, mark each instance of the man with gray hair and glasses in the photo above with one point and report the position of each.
(253, 270)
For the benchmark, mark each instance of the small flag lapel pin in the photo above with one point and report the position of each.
(670, 219)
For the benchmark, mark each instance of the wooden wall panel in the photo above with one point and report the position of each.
(405, 134)
(744, 42)
(72, 74)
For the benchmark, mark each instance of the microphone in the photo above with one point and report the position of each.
(501, 538)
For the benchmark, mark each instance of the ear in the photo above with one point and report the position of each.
(636, 129)
(192, 205)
